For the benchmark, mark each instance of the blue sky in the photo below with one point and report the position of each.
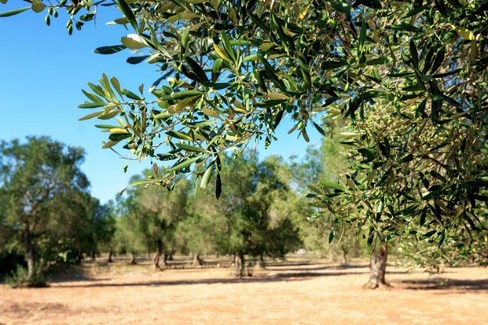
(42, 72)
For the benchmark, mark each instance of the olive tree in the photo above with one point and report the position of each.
(410, 76)
(43, 197)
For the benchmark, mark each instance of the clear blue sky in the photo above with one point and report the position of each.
(42, 72)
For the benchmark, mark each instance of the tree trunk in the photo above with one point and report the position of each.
(28, 250)
(132, 260)
(110, 256)
(377, 267)
(239, 264)
(344, 255)
(157, 255)
(261, 263)
(197, 261)
(78, 257)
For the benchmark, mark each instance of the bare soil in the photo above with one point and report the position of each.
(285, 293)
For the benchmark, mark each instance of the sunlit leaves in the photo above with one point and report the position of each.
(133, 42)
(38, 6)
(14, 12)
(127, 12)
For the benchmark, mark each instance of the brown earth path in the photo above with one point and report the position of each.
(293, 294)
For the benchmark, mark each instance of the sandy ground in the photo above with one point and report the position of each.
(282, 294)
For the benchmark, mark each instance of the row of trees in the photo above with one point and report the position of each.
(255, 215)
(48, 216)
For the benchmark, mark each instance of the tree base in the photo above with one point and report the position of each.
(376, 285)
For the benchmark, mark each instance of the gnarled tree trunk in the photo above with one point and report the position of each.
(132, 260)
(377, 267)
(344, 252)
(110, 256)
(260, 262)
(197, 261)
(239, 264)
(28, 250)
(157, 255)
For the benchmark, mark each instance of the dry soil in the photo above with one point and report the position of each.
(281, 294)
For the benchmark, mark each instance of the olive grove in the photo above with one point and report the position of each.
(409, 77)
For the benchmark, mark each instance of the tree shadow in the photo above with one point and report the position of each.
(278, 268)
(276, 277)
(446, 284)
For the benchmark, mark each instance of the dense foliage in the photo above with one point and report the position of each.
(47, 214)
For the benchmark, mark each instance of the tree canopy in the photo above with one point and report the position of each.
(44, 200)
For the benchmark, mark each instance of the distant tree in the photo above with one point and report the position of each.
(257, 220)
(126, 238)
(102, 226)
(106, 217)
(203, 230)
(70, 233)
(326, 164)
(42, 193)
(274, 201)
(151, 215)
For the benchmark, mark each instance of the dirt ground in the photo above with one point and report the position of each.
(288, 293)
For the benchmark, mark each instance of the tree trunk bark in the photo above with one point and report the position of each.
(377, 267)
(132, 260)
(157, 255)
(344, 256)
(78, 257)
(30, 257)
(197, 261)
(261, 263)
(239, 264)
(110, 256)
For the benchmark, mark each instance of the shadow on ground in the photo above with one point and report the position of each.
(446, 284)
(273, 276)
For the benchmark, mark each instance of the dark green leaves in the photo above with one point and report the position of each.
(329, 65)
(378, 61)
(111, 49)
(438, 59)
(368, 154)
(375, 4)
(405, 28)
(413, 54)
(218, 186)
(137, 59)
(198, 73)
(331, 235)
(441, 7)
